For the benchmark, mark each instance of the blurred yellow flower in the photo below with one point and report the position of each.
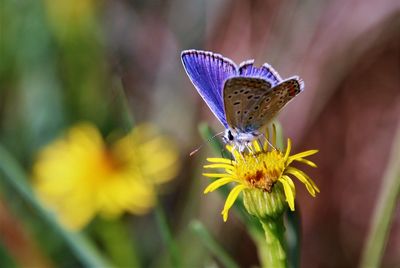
(78, 175)
(260, 168)
(73, 19)
(70, 12)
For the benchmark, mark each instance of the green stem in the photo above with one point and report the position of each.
(384, 210)
(293, 237)
(167, 236)
(273, 251)
(116, 240)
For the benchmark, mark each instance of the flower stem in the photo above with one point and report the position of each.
(273, 252)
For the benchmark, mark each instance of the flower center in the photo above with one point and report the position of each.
(110, 162)
(261, 170)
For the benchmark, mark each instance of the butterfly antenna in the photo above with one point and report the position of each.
(196, 150)
(208, 140)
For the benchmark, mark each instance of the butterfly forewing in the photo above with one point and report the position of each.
(251, 103)
(247, 69)
(208, 72)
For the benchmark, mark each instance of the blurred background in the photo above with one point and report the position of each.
(116, 65)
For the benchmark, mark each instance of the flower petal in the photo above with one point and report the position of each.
(256, 146)
(290, 181)
(219, 160)
(237, 155)
(274, 135)
(301, 155)
(288, 148)
(266, 144)
(288, 193)
(231, 199)
(215, 175)
(224, 166)
(218, 183)
(230, 148)
(306, 161)
(304, 178)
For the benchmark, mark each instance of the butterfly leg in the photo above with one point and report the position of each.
(251, 151)
(269, 143)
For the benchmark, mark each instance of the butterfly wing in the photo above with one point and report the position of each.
(247, 69)
(250, 102)
(208, 72)
(243, 97)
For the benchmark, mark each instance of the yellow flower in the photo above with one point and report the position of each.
(79, 175)
(262, 168)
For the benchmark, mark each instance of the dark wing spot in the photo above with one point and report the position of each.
(230, 97)
(256, 107)
(241, 91)
(247, 92)
(250, 118)
(238, 112)
(250, 97)
(236, 92)
(236, 103)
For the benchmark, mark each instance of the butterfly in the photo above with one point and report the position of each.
(244, 98)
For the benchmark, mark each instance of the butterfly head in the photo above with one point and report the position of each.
(240, 140)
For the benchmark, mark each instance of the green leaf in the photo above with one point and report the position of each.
(5, 259)
(167, 236)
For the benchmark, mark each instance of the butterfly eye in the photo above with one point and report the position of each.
(230, 136)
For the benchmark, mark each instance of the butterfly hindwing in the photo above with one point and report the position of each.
(242, 99)
(250, 103)
(208, 72)
(279, 96)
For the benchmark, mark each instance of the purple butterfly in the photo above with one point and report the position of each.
(244, 98)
